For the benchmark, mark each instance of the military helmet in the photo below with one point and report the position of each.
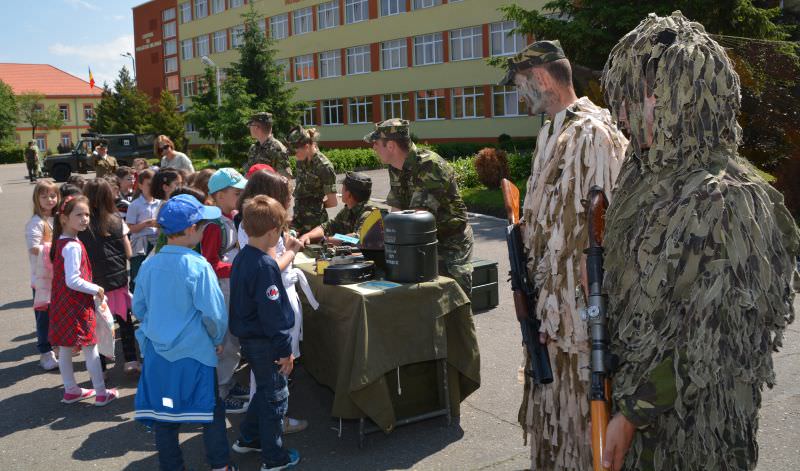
(393, 128)
(538, 53)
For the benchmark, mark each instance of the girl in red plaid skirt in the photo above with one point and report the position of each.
(72, 316)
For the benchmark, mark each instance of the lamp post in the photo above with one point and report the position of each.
(207, 61)
(133, 63)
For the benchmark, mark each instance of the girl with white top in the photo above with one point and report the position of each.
(141, 219)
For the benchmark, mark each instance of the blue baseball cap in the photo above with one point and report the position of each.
(180, 212)
(225, 178)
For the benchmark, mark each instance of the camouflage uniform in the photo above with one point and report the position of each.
(427, 181)
(32, 161)
(578, 148)
(315, 179)
(270, 152)
(350, 220)
(700, 257)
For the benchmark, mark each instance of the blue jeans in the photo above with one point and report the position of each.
(215, 441)
(42, 330)
(264, 418)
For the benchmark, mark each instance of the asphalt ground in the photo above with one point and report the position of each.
(38, 432)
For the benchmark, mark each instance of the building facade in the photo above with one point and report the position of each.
(354, 62)
(74, 98)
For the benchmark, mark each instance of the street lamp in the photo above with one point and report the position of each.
(207, 61)
(133, 63)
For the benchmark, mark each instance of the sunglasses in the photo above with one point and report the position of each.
(163, 148)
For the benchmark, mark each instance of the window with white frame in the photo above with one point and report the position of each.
(200, 9)
(63, 110)
(41, 142)
(284, 65)
(355, 11)
(170, 47)
(395, 105)
(430, 104)
(217, 6)
(332, 112)
(505, 102)
(66, 139)
(187, 51)
(360, 110)
(262, 25)
(189, 89)
(279, 26)
(418, 4)
(309, 115)
(170, 65)
(394, 54)
(237, 36)
(88, 111)
(467, 102)
(328, 15)
(466, 43)
(392, 7)
(503, 43)
(201, 45)
(168, 14)
(330, 63)
(428, 49)
(169, 30)
(186, 12)
(220, 41)
(358, 60)
(303, 68)
(235, 3)
(303, 22)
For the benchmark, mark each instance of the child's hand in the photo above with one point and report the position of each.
(100, 293)
(295, 245)
(286, 364)
(218, 349)
(152, 223)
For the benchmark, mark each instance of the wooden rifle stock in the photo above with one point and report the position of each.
(510, 200)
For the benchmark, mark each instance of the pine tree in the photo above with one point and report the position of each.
(232, 119)
(123, 109)
(168, 121)
(8, 113)
(203, 111)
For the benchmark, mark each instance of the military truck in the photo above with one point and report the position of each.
(125, 147)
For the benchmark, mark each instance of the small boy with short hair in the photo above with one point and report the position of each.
(183, 322)
(126, 179)
(262, 318)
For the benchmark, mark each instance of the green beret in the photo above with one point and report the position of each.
(390, 129)
(538, 53)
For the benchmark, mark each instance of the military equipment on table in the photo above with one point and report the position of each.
(411, 246)
(124, 147)
(525, 293)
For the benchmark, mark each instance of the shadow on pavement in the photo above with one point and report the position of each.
(18, 353)
(488, 229)
(20, 372)
(17, 305)
(118, 439)
(20, 338)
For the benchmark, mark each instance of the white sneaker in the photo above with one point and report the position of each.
(48, 361)
(291, 425)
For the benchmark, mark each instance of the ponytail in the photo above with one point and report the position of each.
(65, 208)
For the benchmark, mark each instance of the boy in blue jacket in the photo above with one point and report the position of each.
(183, 322)
(261, 317)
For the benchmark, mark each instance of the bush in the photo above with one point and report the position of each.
(12, 154)
(454, 150)
(492, 166)
(466, 176)
(519, 166)
(346, 160)
(204, 152)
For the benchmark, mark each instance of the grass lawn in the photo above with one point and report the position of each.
(485, 201)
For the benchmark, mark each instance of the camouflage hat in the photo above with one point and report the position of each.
(298, 136)
(262, 117)
(538, 53)
(390, 129)
(357, 181)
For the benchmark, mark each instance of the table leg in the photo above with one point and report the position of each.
(361, 432)
(445, 390)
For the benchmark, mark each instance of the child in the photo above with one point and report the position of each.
(109, 249)
(39, 231)
(126, 180)
(356, 190)
(261, 316)
(200, 181)
(164, 183)
(72, 316)
(183, 323)
(219, 246)
(141, 219)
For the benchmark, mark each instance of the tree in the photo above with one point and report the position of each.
(33, 112)
(123, 109)
(203, 112)
(168, 121)
(8, 113)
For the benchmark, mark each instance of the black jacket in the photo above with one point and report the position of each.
(107, 255)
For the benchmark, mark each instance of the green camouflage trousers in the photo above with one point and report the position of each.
(455, 260)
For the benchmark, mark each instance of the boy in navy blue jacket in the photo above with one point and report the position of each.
(261, 317)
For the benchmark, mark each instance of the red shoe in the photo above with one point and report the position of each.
(110, 395)
(69, 398)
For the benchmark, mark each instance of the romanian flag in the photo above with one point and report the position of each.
(91, 78)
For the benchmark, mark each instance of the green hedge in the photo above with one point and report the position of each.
(12, 154)
(204, 152)
(454, 150)
(519, 168)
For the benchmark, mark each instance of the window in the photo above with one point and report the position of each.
(217, 6)
(426, 3)
(506, 102)
(332, 112)
(303, 67)
(190, 127)
(170, 47)
(330, 64)
(168, 14)
(187, 52)
(64, 111)
(395, 105)
(392, 7)
(501, 43)
(466, 43)
(170, 65)
(188, 87)
(41, 142)
(279, 26)
(430, 104)
(328, 15)
(467, 102)
(262, 26)
(174, 84)
(237, 36)
(220, 41)
(169, 30)
(235, 3)
(358, 60)
(394, 54)
(66, 140)
(201, 43)
(284, 64)
(88, 111)
(302, 21)
(186, 12)
(355, 11)
(360, 109)
(428, 49)
(200, 9)
(310, 115)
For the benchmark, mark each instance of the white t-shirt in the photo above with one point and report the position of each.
(180, 162)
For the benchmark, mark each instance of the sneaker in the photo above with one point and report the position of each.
(132, 368)
(241, 446)
(48, 361)
(109, 396)
(294, 458)
(69, 398)
(235, 406)
(291, 425)
(239, 392)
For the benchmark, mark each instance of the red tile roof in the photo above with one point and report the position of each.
(45, 79)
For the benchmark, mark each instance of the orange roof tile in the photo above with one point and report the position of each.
(45, 79)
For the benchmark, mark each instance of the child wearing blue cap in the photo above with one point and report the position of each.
(183, 321)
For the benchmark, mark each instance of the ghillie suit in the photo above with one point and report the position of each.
(579, 148)
(700, 256)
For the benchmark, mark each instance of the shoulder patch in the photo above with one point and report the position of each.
(272, 293)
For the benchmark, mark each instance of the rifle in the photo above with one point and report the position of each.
(525, 293)
(602, 362)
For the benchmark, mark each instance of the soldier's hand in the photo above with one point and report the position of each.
(619, 436)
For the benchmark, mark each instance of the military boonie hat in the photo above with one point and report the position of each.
(299, 135)
(538, 53)
(357, 181)
(262, 117)
(390, 129)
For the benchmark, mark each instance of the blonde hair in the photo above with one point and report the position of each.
(42, 187)
(262, 214)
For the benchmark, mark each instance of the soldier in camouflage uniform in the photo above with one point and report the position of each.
(267, 149)
(700, 259)
(421, 179)
(315, 187)
(356, 190)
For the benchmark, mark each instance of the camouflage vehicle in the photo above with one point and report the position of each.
(124, 147)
